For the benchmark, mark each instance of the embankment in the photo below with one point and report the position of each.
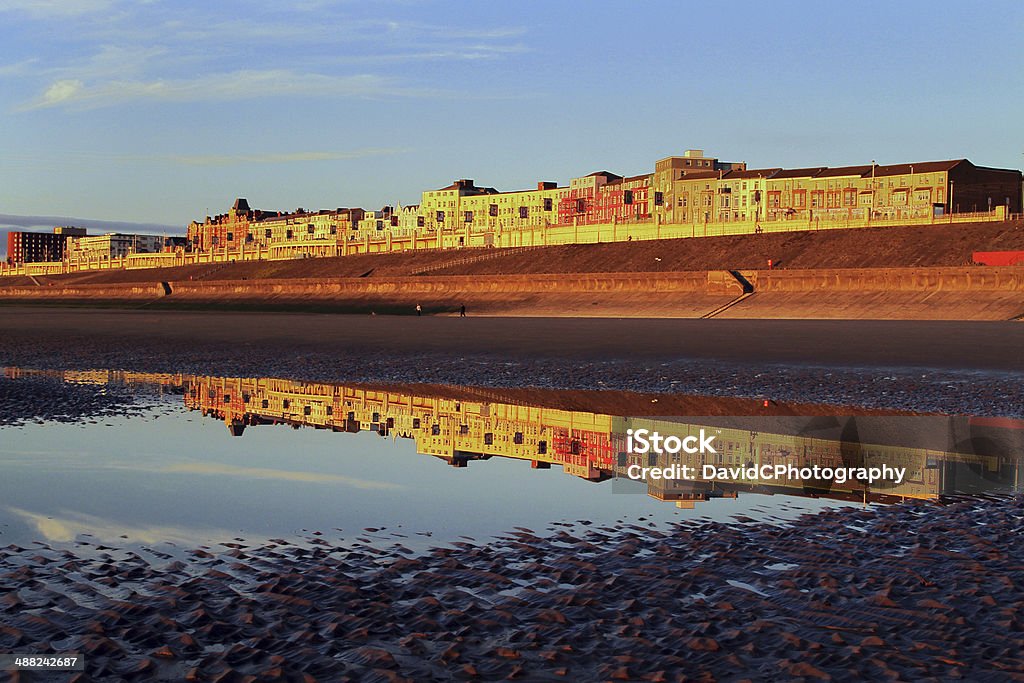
(951, 293)
(939, 245)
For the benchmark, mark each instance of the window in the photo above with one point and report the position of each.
(524, 212)
(265, 403)
(310, 229)
(542, 447)
(334, 230)
(419, 221)
(307, 410)
(231, 237)
(468, 217)
(285, 403)
(227, 398)
(248, 238)
(440, 217)
(380, 225)
(214, 240)
(268, 233)
(288, 234)
(492, 210)
(330, 410)
(659, 199)
(581, 205)
(627, 197)
(548, 204)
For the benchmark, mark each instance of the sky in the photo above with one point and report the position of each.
(163, 112)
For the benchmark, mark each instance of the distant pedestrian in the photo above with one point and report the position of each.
(462, 311)
(419, 310)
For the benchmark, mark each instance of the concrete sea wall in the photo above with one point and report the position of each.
(954, 293)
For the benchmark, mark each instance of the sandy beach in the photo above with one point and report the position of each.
(952, 367)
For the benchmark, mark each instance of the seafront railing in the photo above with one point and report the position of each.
(534, 236)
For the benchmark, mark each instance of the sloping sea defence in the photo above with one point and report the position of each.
(940, 293)
(906, 592)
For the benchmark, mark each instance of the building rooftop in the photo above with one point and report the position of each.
(840, 171)
(750, 173)
(919, 167)
(799, 172)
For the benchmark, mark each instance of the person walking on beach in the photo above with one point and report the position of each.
(419, 310)
(462, 311)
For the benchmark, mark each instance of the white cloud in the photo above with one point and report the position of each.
(61, 91)
(238, 85)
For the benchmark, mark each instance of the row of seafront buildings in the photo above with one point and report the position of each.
(73, 245)
(687, 195)
(691, 189)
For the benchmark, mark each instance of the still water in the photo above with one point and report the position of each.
(184, 461)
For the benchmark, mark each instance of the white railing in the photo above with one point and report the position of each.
(425, 239)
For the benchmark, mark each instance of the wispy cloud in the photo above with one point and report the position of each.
(232, 159)
(237, 85)
(281, 475)
(18, 68)
(45, 9)
(9, 220)
(68, 526)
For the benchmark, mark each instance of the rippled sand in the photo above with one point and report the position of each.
(908, 591)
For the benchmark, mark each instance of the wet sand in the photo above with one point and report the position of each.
(949, 367)
(49, 399)
(909, 592)
(931, 344)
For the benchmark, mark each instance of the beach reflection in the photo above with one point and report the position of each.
(226, 528)
(942, 456)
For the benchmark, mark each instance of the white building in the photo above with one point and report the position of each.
(111, 245)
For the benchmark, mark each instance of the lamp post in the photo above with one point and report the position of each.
(874, 190)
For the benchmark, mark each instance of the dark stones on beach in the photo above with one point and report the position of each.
(909, 591)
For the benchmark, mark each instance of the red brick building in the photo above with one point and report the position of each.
(35, 247)
(227, 229)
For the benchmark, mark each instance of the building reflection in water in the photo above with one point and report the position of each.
(944, 456)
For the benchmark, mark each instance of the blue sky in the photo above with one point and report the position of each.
(158, 112)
